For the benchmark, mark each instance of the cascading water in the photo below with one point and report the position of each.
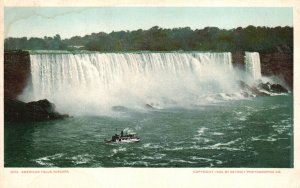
(110, 92)
(94, 82)
(252, 63)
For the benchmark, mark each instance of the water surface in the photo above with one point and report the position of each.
(242, 133)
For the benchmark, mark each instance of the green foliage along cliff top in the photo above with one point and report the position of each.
(261, 39)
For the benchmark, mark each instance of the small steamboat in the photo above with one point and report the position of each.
(127, 138)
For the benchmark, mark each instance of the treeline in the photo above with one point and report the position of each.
(261, 39)
(46, 43)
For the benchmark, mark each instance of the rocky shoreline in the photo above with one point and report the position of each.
(42, 110)
(261, 89)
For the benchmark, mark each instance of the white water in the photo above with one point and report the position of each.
(93, 83)
(252, 63)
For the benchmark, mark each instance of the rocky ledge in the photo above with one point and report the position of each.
(278, 64)
(16, 72)
(18, 111)
(261, 89)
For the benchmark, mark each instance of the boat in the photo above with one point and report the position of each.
(128, 138)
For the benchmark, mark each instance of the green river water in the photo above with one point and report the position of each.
(255, 132)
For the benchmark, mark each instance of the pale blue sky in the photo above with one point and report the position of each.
(68, 22)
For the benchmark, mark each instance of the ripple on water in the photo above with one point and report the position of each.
(154, 157)
(217, 133)
(137, 163)
(241, 116)
(208, 160)
(182, 161)
(282, 127)
(46, 161)
(82, 159)
(226, 146)
(174, 149)
(151, 146)
(271, 138)
(201, 130)
(200, 135)
(115, 151)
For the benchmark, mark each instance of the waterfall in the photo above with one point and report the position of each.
(252, 63)
(96, 81)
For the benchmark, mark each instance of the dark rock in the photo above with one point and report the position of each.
(18, 111)
(262, 94)
(261, 89)
(243, 85)
(149, 106)
(238, 60)
(246, 94)
(279, 65)
(44, 104)
(119, 108)
(16, 72)
(253, 90)
(265, 86)
(274, 88)
(277, 88)
(56, 115)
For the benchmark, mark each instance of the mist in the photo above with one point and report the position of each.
(94, 83)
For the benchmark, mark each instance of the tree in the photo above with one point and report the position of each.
(251, 38)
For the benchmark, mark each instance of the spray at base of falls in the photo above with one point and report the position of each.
(92, 83)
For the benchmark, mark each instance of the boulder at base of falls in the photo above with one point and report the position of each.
(18, 111)
(277, 88)
(261, 89)
(149, 106)
(273, 88)
(249, 91)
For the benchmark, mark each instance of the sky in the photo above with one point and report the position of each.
(68, 22)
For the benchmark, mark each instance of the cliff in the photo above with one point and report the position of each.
(279, 64)
(16, 72)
